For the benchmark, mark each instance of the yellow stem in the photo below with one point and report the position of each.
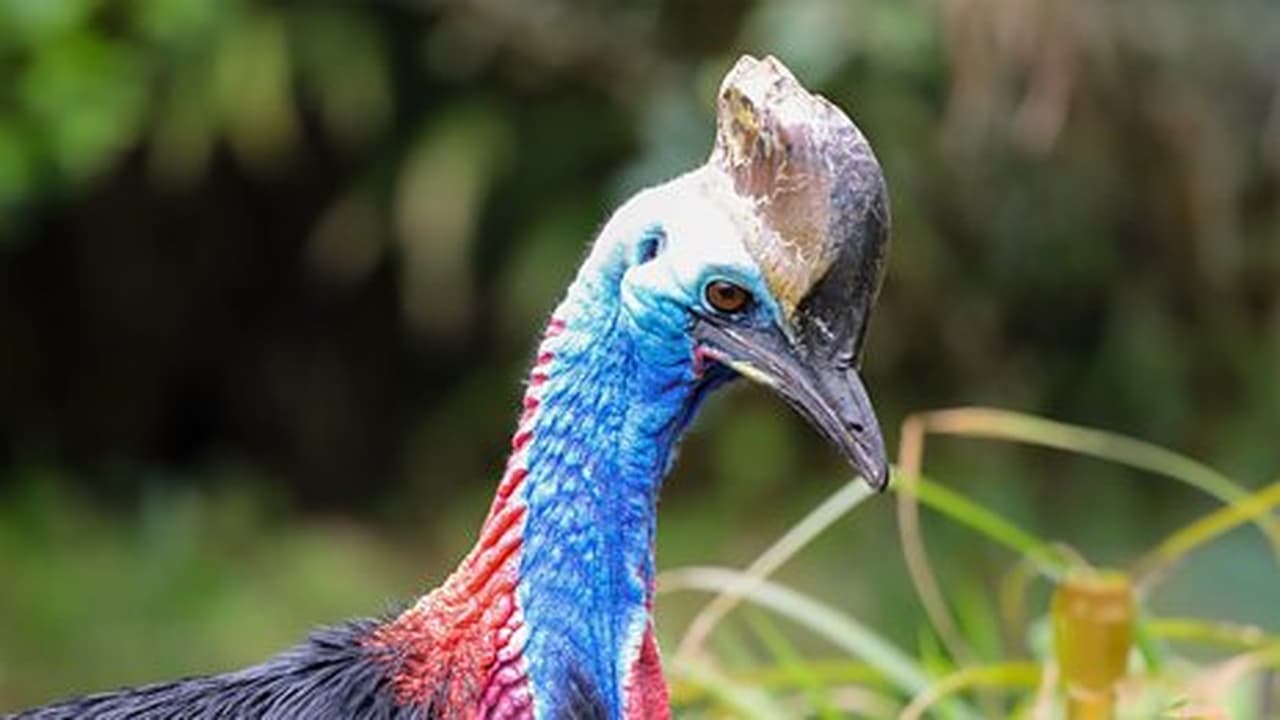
(1090, 706)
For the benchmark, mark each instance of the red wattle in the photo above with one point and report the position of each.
(646, 690)
(459, 649)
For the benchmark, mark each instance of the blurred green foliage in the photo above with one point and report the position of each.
(272, 264)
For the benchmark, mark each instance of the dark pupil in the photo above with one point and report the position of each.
(726, 296)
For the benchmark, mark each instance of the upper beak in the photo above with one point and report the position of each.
(832, 398)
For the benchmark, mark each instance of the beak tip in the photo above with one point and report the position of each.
(878, 477)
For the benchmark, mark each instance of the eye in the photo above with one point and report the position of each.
(727, 297)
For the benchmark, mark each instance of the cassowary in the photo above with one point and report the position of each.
(763, 263)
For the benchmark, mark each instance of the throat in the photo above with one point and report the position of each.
(552, 607)
(601, 420)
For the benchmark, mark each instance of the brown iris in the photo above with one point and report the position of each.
(727, 297)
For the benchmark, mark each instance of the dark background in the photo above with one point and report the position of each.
(270, 274)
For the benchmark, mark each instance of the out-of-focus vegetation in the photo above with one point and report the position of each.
(270, 273)
(1100, 648)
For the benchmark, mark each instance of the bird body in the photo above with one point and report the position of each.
(550, 614)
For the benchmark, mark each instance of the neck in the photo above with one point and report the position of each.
(609, 403)
(562, 574)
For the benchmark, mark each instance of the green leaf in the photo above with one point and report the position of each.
(838, 628)
(789, 660)
(955, 506)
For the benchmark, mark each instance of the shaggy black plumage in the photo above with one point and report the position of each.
(331, 675)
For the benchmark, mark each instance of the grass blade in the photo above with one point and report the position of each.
(1186, 539)
(840, 629)
(980, 422)
(743, 700)
(788, 659)
(775, 677)
(1002, 675)
(1043, 555)
(1217, 633)
(836, 506)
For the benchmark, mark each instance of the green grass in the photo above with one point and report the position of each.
(1173, 667)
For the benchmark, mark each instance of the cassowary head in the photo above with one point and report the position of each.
(770, 255)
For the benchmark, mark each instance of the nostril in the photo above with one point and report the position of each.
(651, 243)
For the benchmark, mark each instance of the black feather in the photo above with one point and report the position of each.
(331, 675)
(582, 700)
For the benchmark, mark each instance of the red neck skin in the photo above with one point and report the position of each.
(458, 649)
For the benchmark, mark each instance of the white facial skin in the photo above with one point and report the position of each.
(701, 239)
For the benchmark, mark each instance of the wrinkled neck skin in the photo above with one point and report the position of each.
(550, 614)
(616, 398)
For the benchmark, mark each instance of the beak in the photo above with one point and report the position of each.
(832, 398)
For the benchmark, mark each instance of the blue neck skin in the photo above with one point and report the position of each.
(617, 397)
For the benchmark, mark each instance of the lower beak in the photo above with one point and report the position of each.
(832, 398)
